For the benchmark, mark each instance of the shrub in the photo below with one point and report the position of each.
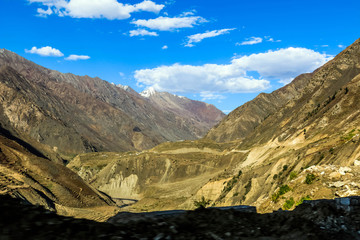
(283, 189)
(203, 203)
(302, 200)
(285, 167)
(310, 178)
(289, 204)
(293, 175)
(275, 176)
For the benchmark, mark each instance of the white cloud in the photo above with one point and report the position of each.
(341, 46)
(251, 41)
(209, 34)
(74, 57)
(211, 96)
(44, 13)
(45, 51)
(142, 32)
(109, 9)
(164, 47)
(282, 65)
(149, 6)
(208, 78)
(270, 39)
(188, 13)
(169, 24)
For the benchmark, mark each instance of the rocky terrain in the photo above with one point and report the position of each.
(26, 174)
(38, 105)
(202, 115)
(299, 142)
(311, 220)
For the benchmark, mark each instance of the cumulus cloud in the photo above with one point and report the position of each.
(208, 78)
(251, 41)
(45, 51)
(74, 57)
(341, 46)
(109, 9)
(142, 32)
(168, 23)
(208, 34)
(164, 47)
(281, 65)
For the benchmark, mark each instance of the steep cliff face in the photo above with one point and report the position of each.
(64, 114)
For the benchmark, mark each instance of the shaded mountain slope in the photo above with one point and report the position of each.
(38, 180)
(64, 114)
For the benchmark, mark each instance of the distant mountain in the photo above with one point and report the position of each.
(63, 114)
(201, 115)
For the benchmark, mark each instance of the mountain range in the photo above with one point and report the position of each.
(62, 115)
(297, 143)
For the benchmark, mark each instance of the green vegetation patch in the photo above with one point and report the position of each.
(203, 203)
(310, 178)
(230, 184)
(302, 200)
(349, 135)
(283, 189)
(289, 204)
(293, 175)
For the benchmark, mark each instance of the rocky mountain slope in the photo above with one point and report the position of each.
(200, 114)
(26, 174)
(243, 120)
(62, 115)
(305, 145)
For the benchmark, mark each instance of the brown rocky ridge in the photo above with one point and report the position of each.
(26, 174)
(63, 115)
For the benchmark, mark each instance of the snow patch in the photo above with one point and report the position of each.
(125, 87)
(148, 92)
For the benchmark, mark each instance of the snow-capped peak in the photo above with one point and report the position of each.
(148, 92)
(125, 87)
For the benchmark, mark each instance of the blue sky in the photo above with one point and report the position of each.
(222, 52)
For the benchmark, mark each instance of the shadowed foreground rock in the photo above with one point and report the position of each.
(326, 219)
